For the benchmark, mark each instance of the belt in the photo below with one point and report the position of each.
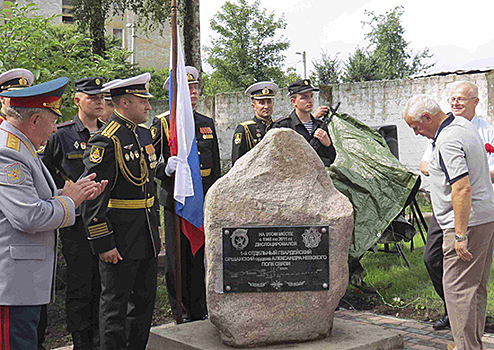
(131, 203)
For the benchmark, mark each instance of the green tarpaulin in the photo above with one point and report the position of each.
(370, 176)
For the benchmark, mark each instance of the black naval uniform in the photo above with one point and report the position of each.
(63, 158)
(193, 273)
(124, 216)
(327, 154)
(247, 135)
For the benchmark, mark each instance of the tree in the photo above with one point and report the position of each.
(51, 51)
(387, 57)
(91, 15)
(326, 70)
(390, 50)
(247, 49)
(361, 66)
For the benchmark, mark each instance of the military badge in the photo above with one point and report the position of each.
(311, 238)
(83, 145)
(96, 155)
(131, 154)
(15, 175)
(129, 146)
(23, 81)
(240, 239)
(127, 157)
(76, 145)
(150, 150)
(238, 138)
(154, 132)
(41, 149)
(136, 152)
(97, 81)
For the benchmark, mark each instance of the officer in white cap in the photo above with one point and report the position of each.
(14, 79)
(193, 273)
(249, 133)
(123, 222)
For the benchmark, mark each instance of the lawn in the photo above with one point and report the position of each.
(403, 291)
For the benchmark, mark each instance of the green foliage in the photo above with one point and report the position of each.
(247, 49)
(326, 70)
(387, 57)
(51, 51)
(390, 50)
(361, 66)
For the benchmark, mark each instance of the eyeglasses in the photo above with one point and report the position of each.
(460, 100)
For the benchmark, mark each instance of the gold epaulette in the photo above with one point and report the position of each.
(166, 114)
(248, 122)
(110, 129)
(13, 142)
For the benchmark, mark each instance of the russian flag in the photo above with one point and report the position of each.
(188, 192)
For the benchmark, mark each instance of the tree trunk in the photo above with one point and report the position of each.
(97, 28)
(192, 36)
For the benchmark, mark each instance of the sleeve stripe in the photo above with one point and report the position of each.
(66, 212)
(459, 177)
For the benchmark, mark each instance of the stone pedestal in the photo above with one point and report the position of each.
(280, 182)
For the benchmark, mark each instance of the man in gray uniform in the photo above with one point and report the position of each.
(31, 210)
(463, 204)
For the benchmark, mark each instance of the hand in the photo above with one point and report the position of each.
(82, 189)
(322, 136)
(462, 250)
(171, 165)
(111, 256)
(320, 112)
(98, 189)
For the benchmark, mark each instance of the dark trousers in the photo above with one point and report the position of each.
(433, 257)
(128, 292)
(18, 327)
(83, 282)
(43, 323)
(193, 274)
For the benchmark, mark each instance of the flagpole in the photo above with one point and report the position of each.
(173, 114)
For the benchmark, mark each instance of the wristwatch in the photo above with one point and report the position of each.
(459, 238)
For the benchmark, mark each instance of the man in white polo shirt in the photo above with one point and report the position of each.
(464, 100)
(463, 203)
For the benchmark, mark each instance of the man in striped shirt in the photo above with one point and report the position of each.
(304, 122)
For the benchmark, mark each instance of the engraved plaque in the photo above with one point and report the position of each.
(275, 259)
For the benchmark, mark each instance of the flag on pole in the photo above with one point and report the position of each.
(188, 192)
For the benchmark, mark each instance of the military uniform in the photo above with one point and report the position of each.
(193, 274)
(63, 156)
(327, 154)
(31, 211)
(247, 135)
(125, 217)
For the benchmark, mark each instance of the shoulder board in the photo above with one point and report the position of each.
(202, 115)
(13, 142)
(281, 118)
(110, 129)
(166, 114)
(143, 126)
(248, 122)
(61, 125)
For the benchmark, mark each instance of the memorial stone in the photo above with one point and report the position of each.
(279, 183)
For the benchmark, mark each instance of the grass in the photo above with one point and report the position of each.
(400, 287)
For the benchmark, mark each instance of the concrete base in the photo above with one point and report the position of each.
(346, 335)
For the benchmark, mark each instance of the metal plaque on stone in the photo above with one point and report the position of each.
(275, 259)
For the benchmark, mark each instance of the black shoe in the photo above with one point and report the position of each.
(442, 323)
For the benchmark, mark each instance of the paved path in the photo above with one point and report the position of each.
(418, 335)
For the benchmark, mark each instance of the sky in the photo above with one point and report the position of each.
(335, 27)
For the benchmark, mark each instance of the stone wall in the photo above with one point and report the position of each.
(374, 103)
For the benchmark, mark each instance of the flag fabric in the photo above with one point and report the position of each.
(188, 192)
